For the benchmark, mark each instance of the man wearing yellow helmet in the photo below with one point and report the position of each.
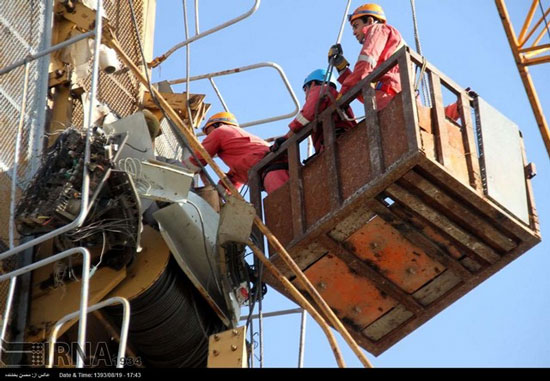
(238, 149)
(379, 42)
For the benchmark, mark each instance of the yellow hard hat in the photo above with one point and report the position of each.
(373, 10)
(221, 117)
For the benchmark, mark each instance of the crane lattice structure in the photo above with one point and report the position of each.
(530, 48)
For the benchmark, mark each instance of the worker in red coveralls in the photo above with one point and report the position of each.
(313, 85)
(238, 149)
(379, 42)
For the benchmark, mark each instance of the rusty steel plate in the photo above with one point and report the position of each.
(383, 248)
(354, 299)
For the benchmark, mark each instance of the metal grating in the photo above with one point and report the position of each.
(166, 144)
(21, 33)
(119, 91)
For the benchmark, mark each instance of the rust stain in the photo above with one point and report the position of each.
(277, 215)
(355, 299)
(385, 250)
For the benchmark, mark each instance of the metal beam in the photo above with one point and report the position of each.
(528, 20)
(524, 73)
(537, 61)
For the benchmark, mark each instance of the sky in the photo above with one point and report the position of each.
(501, 323)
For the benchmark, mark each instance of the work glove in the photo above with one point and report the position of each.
(336, 54)
(277, 144)
(335, 50)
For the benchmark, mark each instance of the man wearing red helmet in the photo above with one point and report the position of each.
(238, 149)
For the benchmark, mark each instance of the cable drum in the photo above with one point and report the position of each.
(170, 322)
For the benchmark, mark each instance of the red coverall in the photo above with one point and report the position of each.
(381, 42)
(240, 151)
(307, 114)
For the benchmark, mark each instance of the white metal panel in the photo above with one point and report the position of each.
(138, 147)
(502, 160)
(165, 182)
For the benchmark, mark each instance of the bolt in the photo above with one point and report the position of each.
(216, 337)
(235, 332)
(233, 347)
(357, 309)
(411, 271)
(322, 285)
(215, 352)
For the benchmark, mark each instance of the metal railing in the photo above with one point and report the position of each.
(84, 205)
(157, 61)
(406, 59)
(246, 68)
(52, 49)
(83, 294)
(123, 330)
(13, 281)
(301, 344)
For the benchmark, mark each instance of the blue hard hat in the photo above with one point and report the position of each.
(319, 75)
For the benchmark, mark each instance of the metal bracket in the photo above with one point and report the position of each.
(530, 171)
(78, 13)
(58, 77)
(178, 101)
(228, 349)
(236, 219)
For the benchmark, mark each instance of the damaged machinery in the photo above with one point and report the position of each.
(53, 199)
(182, 267)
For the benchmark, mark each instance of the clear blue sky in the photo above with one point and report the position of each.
(504, 321)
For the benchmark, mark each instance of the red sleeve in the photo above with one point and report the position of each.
(376, 38)
(212, 145)
(345, 74)
(307, 113)
(451, 111)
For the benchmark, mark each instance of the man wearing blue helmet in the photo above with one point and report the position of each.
(312, 87)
